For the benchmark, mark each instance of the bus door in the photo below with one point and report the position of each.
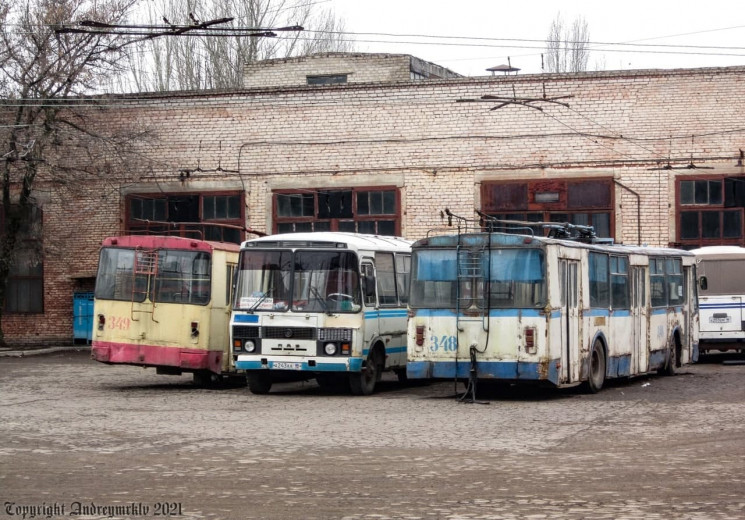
(570, 330)
(370, 302)
(639, 320)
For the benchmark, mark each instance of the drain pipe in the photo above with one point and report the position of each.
(638, 211)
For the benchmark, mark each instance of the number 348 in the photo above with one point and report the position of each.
(445, 343)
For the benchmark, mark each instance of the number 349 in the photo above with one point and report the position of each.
(445, 343)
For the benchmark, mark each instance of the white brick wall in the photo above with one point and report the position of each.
(417, 136)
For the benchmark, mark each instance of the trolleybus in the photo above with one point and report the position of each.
(721, 297)
(323, 305)
(563, 311)
(164, 302)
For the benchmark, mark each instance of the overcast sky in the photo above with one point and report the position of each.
(490, 22)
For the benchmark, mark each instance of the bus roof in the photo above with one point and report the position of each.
(167, 242)
(720, 253)
(515, 240)
(332, 239)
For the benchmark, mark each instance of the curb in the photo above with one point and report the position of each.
(41, 351)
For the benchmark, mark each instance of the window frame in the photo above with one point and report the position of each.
(198, 229)
(688, 209)
(535, 208)
(307, 223)
(30, 239)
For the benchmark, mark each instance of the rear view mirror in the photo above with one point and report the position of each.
(702, 283)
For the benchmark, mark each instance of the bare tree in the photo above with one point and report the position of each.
(198, 62)
(567, 49)
(45, 135)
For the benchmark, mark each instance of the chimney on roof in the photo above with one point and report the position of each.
(504, 68)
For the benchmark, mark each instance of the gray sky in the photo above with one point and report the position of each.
(489, 22)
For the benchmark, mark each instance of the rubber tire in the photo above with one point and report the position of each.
(259, 382)
(402, 376)
(363, 382)
(205, 379)
(672, 359)
(596, 368)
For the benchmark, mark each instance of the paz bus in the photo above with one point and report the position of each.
(721, 299)
(323, 305)
(164, 302)
(562, 309)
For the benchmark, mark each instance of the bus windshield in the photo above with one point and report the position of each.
(163, 276)
(515, 278)
(301, 281)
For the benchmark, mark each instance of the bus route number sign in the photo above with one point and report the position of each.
(443, 343)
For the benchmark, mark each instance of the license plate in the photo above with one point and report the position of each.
(286, 365)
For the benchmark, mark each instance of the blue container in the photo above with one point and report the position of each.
(82, 329)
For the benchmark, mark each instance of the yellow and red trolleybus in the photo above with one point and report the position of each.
(164, 302)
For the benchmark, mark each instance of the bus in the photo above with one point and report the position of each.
(323, 305)
(164, 302)
(563, 309)
(721, 297)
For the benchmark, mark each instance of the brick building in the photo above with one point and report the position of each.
(383, 143)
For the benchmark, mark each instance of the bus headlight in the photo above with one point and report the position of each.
(329, 349)
(250, 346)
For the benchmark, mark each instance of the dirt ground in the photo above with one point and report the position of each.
(86, 440)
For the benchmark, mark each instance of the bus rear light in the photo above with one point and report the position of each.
(101, 321)
(194, 329)
(420, 335)
(529, 334)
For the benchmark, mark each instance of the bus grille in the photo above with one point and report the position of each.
(334, 334)
(289, 333)
(243, 332)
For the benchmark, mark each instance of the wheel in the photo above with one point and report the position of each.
(672, 360)
(596, 372)
(205, 378)
(259, 382)
(363, 383)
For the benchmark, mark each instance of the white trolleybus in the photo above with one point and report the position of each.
(721, 297)
(563, 311)
(324, 305)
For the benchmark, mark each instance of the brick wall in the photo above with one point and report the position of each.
(359, 68)
(417, 136)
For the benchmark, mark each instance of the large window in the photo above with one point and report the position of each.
(393, 278)
(579, 202)
(666, 281)
(511, 279)
(208, 216)
(710, 211)
(373, 211)
(180, 276)
(24, 292)
(609, 281)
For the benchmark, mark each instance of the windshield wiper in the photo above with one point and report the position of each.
(263, 297)
(318, 296)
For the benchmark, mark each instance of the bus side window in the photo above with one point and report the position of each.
(368, 284)
(386, 279)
